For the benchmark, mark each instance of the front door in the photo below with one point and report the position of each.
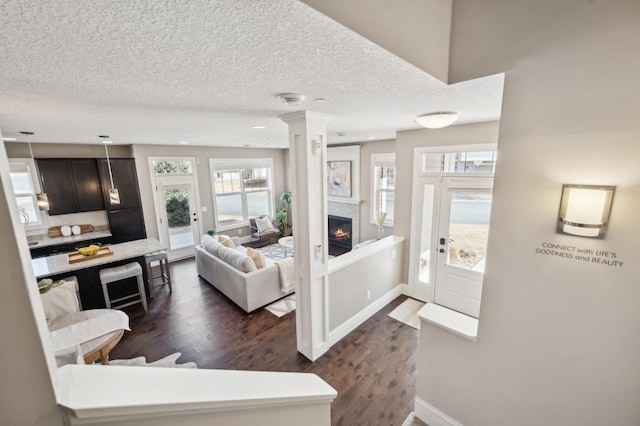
(463, 230)
(452, 224)
(178, 219)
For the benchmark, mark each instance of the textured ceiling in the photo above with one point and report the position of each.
(206, 72)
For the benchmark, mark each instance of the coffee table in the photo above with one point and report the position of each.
(287, 245)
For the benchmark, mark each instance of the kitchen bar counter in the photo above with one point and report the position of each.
(59, 264)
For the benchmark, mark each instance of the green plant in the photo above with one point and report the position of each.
(211, 232)
(177, 203)
(285, 199)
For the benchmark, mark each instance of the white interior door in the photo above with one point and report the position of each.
(462, 234)
(178, 220)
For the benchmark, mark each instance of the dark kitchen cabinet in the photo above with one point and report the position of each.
(72, 185)
(126, 219)
(87, 185)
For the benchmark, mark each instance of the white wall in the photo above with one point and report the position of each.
(558, 338)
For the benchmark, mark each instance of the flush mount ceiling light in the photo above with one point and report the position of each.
(291, 99)
(437, 120)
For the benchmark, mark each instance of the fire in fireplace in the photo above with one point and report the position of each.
(340, 231)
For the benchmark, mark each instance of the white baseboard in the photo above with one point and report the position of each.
(355, 321)
(431, 415)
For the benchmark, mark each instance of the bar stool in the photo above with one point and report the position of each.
(117, 273)
(165, 275)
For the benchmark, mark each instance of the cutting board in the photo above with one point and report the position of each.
(76, 257)
(55, 232)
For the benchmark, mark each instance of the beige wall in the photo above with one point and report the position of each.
(66, 150)
(406, 143)
(367, 229)
(203, 154)
(26, 389)
(558, 338)
(426, 27)
(142, 154)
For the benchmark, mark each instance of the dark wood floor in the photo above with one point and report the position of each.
(373, 369)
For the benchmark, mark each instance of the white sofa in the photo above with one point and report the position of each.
(235, 274)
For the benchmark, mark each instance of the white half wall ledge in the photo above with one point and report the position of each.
(448, 319)
(431, 415)
(96, 394)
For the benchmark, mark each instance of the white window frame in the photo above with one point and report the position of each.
(241, 164)
(14, 164)
(379, 160)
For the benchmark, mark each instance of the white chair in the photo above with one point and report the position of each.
(118, 273)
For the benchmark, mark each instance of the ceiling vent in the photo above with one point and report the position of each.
(291, 99)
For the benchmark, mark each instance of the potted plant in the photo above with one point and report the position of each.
(285, 199)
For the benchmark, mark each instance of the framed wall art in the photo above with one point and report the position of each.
(339, 178)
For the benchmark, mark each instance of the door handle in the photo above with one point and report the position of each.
(442, 250)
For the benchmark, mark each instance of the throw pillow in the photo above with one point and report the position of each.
(237, 259)
(60, 300)
(257, 257)
(226, 241)
(264, 224)
(210, 244)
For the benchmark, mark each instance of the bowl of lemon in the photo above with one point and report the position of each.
(89, 250)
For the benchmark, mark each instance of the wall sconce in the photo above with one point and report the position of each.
(585, 209)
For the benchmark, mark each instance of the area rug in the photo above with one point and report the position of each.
(274, 251)
(168, 361)
(283, 306)
(407, 312)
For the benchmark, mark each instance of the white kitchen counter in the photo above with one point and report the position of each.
(88, 236)
(59, 264)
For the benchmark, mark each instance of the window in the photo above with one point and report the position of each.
(242, 188)
(162, 167)
(459, 162)
(22, 179)
(383, 185)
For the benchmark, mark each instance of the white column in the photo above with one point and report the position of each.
(308, 162)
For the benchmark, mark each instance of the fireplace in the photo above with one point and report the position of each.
(340, 231)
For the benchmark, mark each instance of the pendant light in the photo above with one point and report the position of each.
(114, 195)
(41, 199)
